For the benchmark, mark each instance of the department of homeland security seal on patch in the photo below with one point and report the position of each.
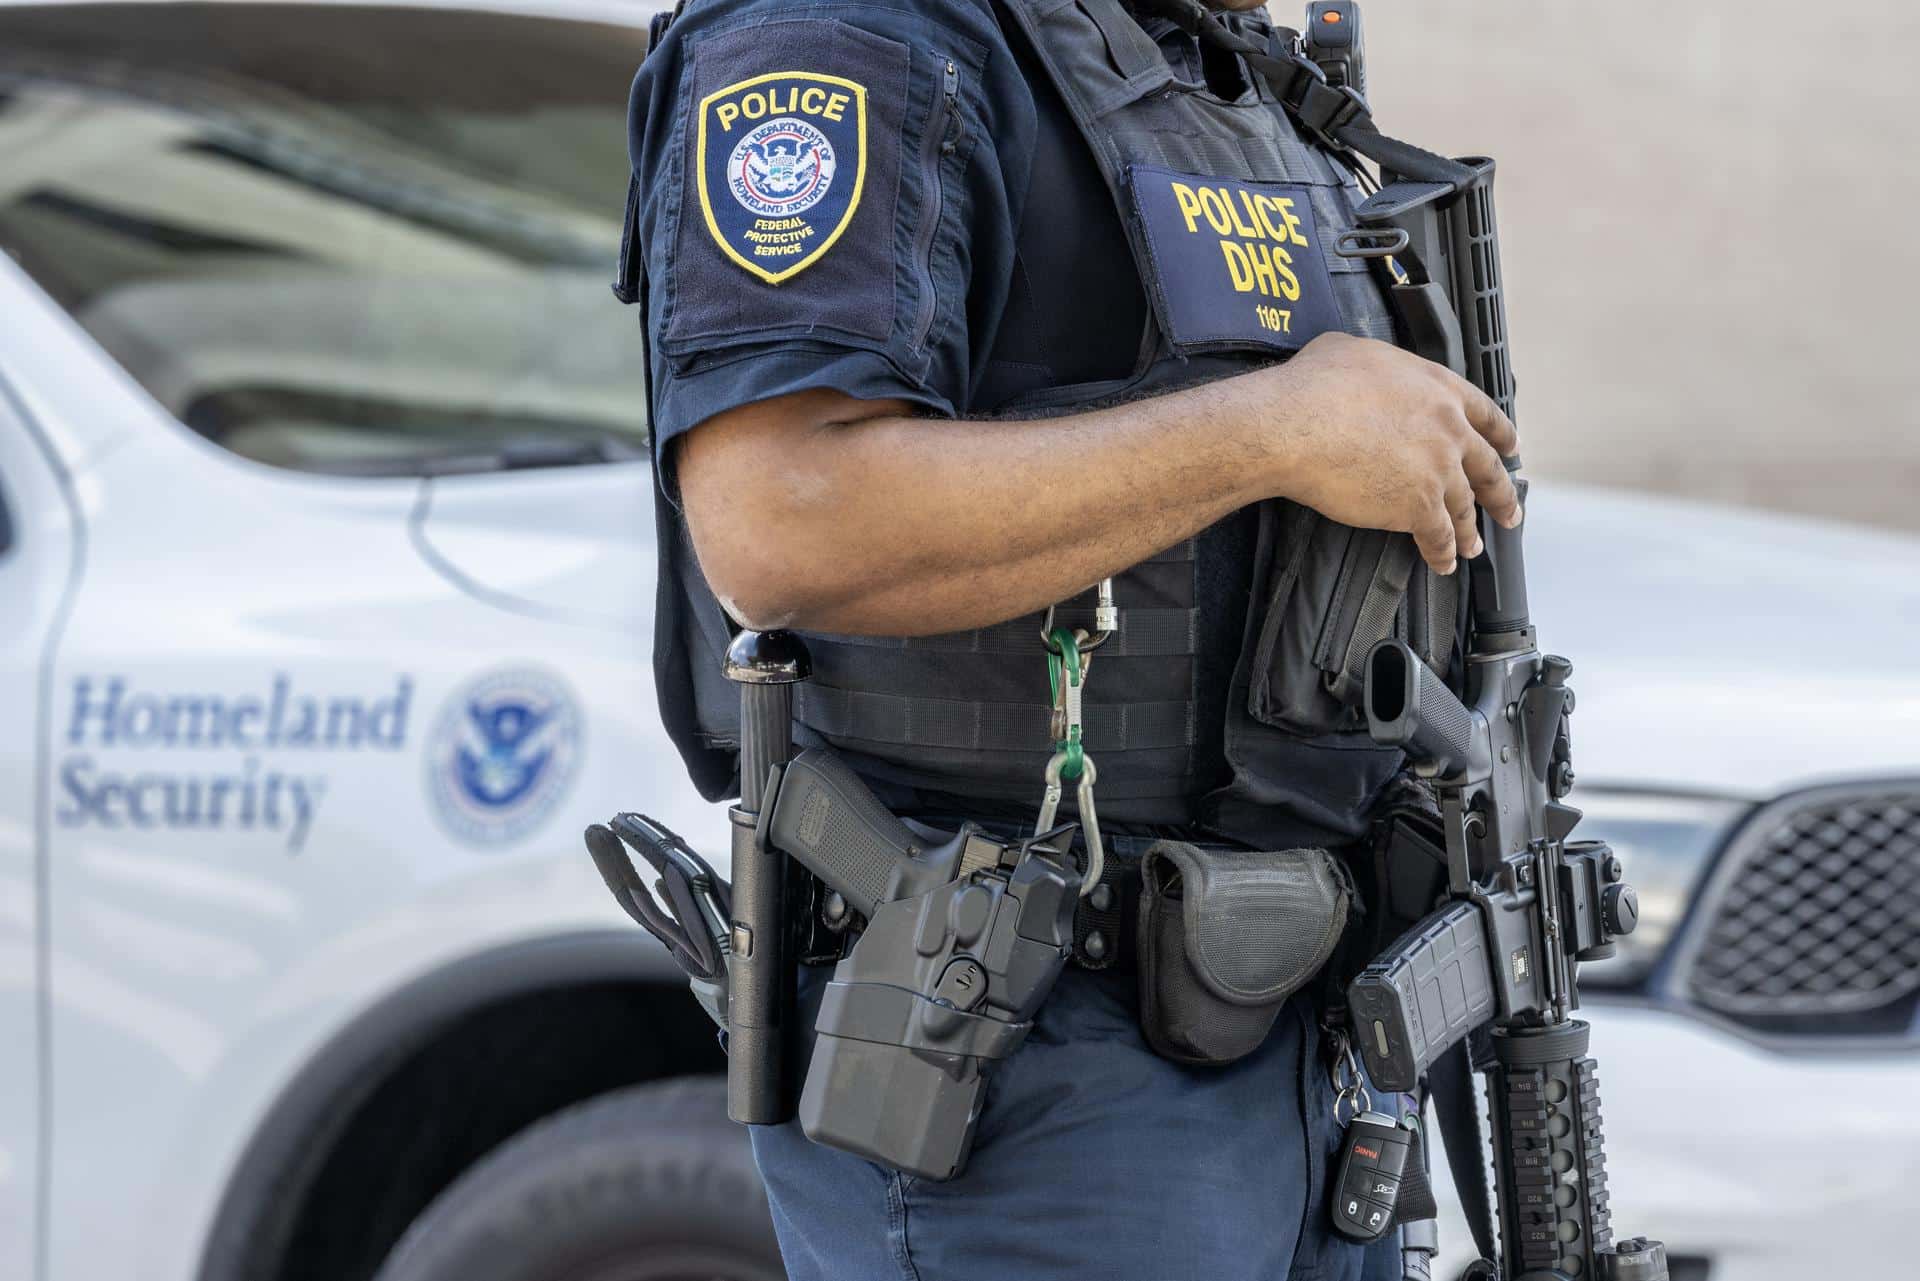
(781, 160)
(782, 168)
(502, 753)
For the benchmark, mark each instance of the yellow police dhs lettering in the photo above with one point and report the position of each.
(1255, 231)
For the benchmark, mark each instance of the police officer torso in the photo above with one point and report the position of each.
(1015, 209)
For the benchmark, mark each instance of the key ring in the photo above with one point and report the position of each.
(1355, 1097)
(1349, 1084)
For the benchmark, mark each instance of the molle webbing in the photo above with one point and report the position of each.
(907, 721)
(971, 708)
(1148, 633)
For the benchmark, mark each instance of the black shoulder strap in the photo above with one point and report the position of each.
(629, 284)
(1336, 114)
(1450, 1082)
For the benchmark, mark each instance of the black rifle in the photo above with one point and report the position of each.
(1522, 905)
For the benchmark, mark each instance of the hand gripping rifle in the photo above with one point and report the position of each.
(1523, 905)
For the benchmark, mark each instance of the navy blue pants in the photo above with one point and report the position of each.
(1094, 1158)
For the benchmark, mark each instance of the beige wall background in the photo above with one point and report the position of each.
(1710, 211)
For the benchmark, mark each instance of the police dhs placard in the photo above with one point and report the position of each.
(782, 158)
(1233, 261)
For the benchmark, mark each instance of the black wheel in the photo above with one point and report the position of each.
(647, 1184)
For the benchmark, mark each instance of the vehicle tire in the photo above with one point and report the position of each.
(651, 1183)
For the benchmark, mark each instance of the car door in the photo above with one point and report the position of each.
(299, 756)
(37, 562)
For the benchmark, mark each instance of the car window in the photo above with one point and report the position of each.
(335, 238)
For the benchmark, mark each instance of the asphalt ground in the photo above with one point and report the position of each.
(1708, 216)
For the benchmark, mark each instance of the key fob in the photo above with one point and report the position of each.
(1367, 1183)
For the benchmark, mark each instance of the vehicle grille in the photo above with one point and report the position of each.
(1815, 909)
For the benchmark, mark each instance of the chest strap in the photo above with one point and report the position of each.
(1335, 114)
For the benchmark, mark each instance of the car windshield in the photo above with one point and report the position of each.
(335, 238)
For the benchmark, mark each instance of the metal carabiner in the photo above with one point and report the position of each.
(1050, 798)
(1090, 829)
(1089, 820)
(1355, 1099)
(1106, 621)
(1349, 1083)
(1067, 674)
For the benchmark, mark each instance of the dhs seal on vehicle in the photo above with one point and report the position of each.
(774, 186)
(502, 753)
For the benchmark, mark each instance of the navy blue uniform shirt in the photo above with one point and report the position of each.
(885, 247)
(868, 225)
(869, 250)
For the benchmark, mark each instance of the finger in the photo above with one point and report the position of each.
(1486, 418)
(1492, 482)
(1464, 515)
(1433, 534)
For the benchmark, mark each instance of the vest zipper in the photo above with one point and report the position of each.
(941, 141)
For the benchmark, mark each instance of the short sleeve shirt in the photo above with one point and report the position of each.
(838, 196)
(829, 197)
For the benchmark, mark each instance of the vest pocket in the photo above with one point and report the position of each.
(1334, 593)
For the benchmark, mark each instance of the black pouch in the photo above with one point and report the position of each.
(1225, 937)
(1333, 594)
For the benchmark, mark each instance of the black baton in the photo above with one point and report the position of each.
(760, 999)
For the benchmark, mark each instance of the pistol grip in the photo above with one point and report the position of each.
(826, 818)
(1408, 706)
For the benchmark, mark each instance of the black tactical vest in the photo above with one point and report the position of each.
(966, 714)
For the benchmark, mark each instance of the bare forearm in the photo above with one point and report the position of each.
(820, 511)
(892, 525)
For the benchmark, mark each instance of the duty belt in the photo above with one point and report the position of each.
(1105, 923)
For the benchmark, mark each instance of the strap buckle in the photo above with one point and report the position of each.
(1325, 109)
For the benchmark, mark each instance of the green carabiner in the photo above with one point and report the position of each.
(1063, 658)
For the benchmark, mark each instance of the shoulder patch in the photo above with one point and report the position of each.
(783, 203)
(782, 159)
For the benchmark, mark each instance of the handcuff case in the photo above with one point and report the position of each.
(1225, 937)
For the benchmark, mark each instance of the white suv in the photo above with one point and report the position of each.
(315, 660)
(326, 553)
